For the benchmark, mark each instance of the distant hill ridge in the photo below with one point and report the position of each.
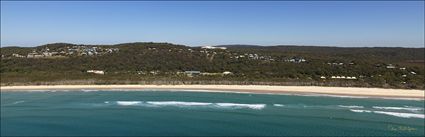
(149, 61)
(393, 53)
(227, 46)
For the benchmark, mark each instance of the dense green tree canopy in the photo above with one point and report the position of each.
(147, 62)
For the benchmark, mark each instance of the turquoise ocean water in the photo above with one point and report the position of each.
(162, 113)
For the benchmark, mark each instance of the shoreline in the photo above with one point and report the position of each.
(258, 89)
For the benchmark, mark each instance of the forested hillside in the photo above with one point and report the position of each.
(165, 63)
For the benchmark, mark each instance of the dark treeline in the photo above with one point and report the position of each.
(153, 63)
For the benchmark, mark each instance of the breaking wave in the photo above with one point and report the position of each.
(18, 102)
(177, 103)
(278, 105)
(187, 104)
(127, 103)
(396, 114)
(235, 105)
(350, 106)
(220, 105)
(399, 108)
(360, 111)
(403, 115)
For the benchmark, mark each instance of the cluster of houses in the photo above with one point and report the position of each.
(253, 56)
(67, 51)
(207, 52)
(338, 63)
(89, 51)
(390, 66)
(343, 77)
(340, 77)
(197, 73)
(101, 72)
(250, 56)
(335, 63)
(17, 55)
(295, 60)
(190, 73)
(45, 53)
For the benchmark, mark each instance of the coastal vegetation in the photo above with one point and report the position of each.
(165, 63)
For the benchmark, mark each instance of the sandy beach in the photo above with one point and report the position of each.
(340, 91)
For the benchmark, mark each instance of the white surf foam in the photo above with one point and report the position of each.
(128, 103)
(18, 102)
(343, 106)
(236, 105)
(177, 103)
(188, 104)
(403, 115)
(278, 105)
(399, 108)
(396, 114)
(360, 111)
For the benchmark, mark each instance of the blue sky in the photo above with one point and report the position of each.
(196, 23)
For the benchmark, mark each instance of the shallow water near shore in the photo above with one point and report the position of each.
(149, 113)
